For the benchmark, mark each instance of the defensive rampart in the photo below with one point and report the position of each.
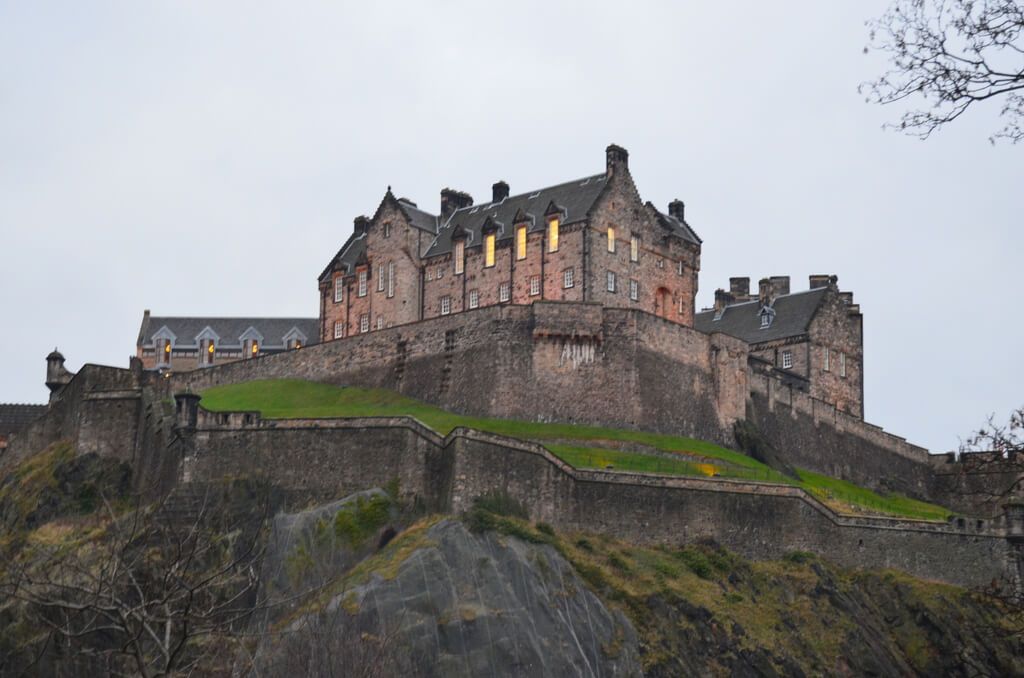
(327, 458)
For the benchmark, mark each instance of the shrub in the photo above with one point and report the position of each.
(546, 529)
(362, 518)
(501, 504)
(799, 557)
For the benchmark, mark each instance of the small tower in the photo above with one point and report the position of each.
(56, 375)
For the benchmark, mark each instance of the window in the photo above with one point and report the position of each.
(294, 343)
(430, 274)
(534, 285)
(164, 355)
(611, 281)
(634, 290)
(339, 329)
(474, 298)
(766, 320)
(362, 283)
(489, 250)
(827, 363)
(521, 242)
(446, 305)
(251, 348)
(503, 292)
(380, 322)
(660, 263)
(553, 235)
(680, 267)
(364, 322)
(206, 351)
(391, 278)
(842, 365)
(460, 257)
(611, 238)
(339, 290)
(380, 277)
(567, 278)
(634, 248)
(440, 272)
(387, 229)
(682, 305)
(787, 359)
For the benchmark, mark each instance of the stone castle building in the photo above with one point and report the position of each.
(591, 239)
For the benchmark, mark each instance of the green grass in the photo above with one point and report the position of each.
(579, 445)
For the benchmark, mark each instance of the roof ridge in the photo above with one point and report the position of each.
(528, 193)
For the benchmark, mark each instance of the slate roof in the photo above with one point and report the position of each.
(573, 198)
(680, 228)
(16, 416)
(793, 315)
(229, 330)
(425, 221)
(353, 249)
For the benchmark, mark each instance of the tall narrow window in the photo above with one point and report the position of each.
(391, 278)
(842, 365)
(489, 249)
(634, 290)
(380, 322)
(679, 267)
(364, 322)
(567, 280)
(339, 290)
(634, 248)
(380, 277)
(165, 352)
(553, 235)
(339, 329)
(446, 305)
(534, 285)
(827, 363)
(521, 242)
(611, 238)
(474, 298)
(504, 292)
(387, 229)
(682, 305)
(362, 283)
(252, 348)
(207, 351)
(460, 258)
(611, 281)
(787, 359)
(440, 272)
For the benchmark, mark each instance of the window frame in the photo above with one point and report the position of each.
(842, 365)
(611, 240)
(504, 293)
(634, 289)
(380, 322)
(339, 289)
(474, 298)
(827, 363)
(553, 226)
(460, 257)
(611, 282)
(339, 329)
(364, 323)
(787, 360)
(490, 245)
(521, 236)
(446, 305)
(534, 285)
(363, 283)
(391, 279)
(634, 247)
(568, 278)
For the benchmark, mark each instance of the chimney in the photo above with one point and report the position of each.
(765, 293)
(361, 225)
(676, 209)
(452, 200)
(817, 280)
(722, 299)
(846, 298)
(616, 156)
(499, 191)
(780, 285)
(739, 288)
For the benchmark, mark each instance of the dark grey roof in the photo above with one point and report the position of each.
(680, 228)
(425, 221)
(348, 255)
(229, 330)
(793, 315)
(573, 198)
(16, 416)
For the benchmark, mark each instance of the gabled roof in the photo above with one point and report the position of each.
(15, 417)
(793, 315)
(421, 219)
(229, 330)
(351, 252)
(677, 227)
(573, 199)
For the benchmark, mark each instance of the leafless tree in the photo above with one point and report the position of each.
(995, 451)
(949, 55)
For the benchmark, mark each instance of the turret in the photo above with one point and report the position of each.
(56, 375)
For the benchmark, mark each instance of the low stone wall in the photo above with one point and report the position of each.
(329, 458)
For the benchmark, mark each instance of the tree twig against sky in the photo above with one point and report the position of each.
(948, 55)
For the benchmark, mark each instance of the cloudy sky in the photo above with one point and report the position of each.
(208, 158)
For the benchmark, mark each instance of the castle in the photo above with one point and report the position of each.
(569, 304)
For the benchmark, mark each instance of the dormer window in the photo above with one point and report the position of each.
(460, 258)
(521, 242)
(250, 348)
(206, 351)
(553, 234)
(294, 344)
(766, 320)
(165, 352)
(489, 240)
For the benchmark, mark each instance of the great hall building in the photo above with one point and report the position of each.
(591, 239)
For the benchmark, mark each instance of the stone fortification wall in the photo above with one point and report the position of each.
(330, 457)
(550, 361)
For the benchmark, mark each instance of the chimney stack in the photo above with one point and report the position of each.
(615, 157)
(780, 285)
(452, 200)
(361, 225)
(499, 191)
(722, 299)
(765, 294)
(676, 208)
(817, 280)
(739, 288)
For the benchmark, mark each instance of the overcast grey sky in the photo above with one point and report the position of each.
(208, 158)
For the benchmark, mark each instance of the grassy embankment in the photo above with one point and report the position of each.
(578, 445)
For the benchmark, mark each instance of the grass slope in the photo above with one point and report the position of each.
(578, 445)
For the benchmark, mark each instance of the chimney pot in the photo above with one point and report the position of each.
(739, 288)
(780, 285)
(677, 208)
(616, 156)
(452, 200)
(499, 191)
(817, 280)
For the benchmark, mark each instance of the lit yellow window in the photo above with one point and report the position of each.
(255, 347)
(489, 250)
(521, 242)
(460, 258)
(553, 235)
(611, 238)
(167, 350)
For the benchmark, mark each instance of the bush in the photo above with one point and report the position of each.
(501, 504)
(546, 529)
(358, 521)
(799, 557)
